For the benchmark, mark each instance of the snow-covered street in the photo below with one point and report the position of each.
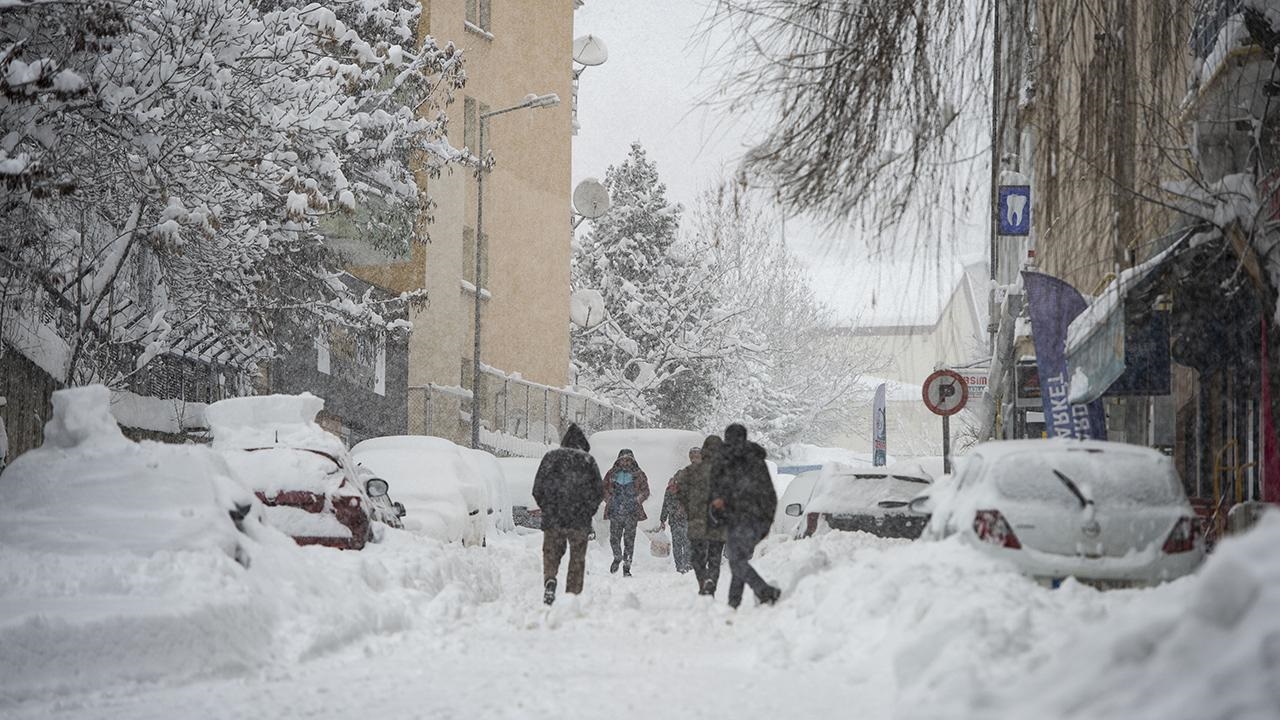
(409, 628)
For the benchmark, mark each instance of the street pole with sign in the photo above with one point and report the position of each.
(945, 393)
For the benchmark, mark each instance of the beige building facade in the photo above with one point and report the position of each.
(511, 50)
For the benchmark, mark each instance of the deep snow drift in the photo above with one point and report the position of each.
(123, 597)
(883, 628)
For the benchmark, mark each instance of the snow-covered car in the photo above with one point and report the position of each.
(91, 490)
(385, 510)
(443, 495)
(795, 497)
(660, 452)
(302, 474)
(1101, 512)
(498, 502)
(868, 499)
(519, 474)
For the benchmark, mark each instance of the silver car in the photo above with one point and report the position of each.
(1104, 513)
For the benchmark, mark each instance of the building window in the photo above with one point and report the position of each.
(471, 112)
(478, 15)
(469, 258)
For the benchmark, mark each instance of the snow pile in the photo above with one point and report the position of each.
(82, 419)
(802, 454)
(263, 420)
(120, 563)
(1210, 650)
(923, 630)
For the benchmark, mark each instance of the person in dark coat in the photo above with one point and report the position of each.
(706, 542)
(674, 513)
(567, 490)
(743, 499)
(625, 489)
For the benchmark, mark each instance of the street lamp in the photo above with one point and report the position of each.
(530, 101)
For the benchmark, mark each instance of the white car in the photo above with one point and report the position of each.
(443, 494)
(868, 499)
(519, 474)
(791, 504)
(1101, 512)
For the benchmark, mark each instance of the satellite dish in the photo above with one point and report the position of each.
(590, 199)
(589, 50)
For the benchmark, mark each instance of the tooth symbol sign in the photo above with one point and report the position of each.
(1017, 204)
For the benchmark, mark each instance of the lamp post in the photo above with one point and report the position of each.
(530, 101)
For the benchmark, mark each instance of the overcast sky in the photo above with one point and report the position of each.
(651, 90)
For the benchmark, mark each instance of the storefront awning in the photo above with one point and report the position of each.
(1120, 344)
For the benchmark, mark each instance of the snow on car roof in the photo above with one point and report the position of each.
(266, 420)
(996, 449)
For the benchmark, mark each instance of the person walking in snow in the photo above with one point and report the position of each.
(675, 514)
(625, 489)
(706, 542)
(743, 499)
(567, 490)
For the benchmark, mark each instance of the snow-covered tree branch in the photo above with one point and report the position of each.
(169, 167)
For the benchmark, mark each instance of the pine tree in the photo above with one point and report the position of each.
(662, 334)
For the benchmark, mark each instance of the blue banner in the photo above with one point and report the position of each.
(879, 431)
(1052, 305)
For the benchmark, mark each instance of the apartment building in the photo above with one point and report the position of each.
(512, 50)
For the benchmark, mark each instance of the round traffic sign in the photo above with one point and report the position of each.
(945, 392)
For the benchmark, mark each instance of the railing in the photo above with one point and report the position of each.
(517, 417)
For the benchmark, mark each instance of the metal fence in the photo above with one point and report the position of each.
(517, 417)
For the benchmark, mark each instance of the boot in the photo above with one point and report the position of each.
(708, 587)
(626, 570)
(770, 595)
(614, 567)
(549, 593)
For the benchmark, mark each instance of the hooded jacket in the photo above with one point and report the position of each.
(740, 476)
(694, 491)
(567, 486)
(630, 506)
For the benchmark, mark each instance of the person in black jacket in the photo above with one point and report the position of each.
(568, 491)
(743, 498)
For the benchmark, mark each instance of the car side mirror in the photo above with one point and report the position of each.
(794, 510)
(376, 487)
(400, 511)
(921, 505)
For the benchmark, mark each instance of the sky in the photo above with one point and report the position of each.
(653, 89)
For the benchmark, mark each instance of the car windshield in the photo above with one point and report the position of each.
(1107, 477)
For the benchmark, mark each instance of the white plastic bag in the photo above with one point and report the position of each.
(659, 542)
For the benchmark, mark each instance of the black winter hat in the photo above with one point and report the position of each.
(735, 434)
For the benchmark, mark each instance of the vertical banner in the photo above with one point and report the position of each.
(879, 430)
(1053, 304)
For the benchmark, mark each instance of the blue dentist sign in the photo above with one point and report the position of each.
(1014, 209)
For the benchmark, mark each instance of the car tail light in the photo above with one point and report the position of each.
(811, 524)
(1182, 538)
(991, 527)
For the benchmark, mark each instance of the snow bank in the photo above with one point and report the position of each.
(926, 630)
(120, 563)
(1211, 648)
(82, 419)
